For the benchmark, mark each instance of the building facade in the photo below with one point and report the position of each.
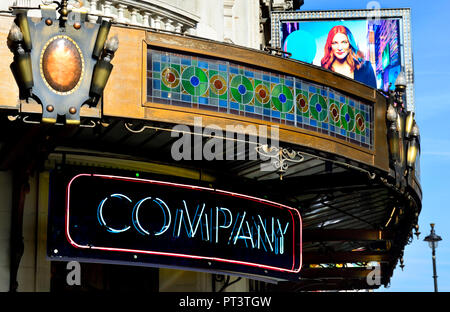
(197, 97)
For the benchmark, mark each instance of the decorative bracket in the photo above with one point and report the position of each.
(61, 61)
(279, 157)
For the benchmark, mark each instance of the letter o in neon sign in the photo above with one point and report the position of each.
(161, 204)
(135, 215)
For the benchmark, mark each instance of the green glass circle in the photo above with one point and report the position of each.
(241, 89)
(282, 98)
(318, 107)
(194, 81)
(347, 117)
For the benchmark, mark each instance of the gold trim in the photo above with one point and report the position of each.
(49, 120)
(82, 64)
(72, 122)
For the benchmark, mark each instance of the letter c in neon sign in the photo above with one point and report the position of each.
(135, 215)
(100, 214)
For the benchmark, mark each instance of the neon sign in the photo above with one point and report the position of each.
(254, 232)
(116, 217)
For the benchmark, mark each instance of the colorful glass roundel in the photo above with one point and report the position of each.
(194, 81)
(262, 94)
(170, 77)
(218, 85)
(282, 98)
(302, 103)
(360, 123)
(347, 117)
(334, 113)
(318, 107)
(241, 89)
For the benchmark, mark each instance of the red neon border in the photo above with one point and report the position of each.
(170, 254)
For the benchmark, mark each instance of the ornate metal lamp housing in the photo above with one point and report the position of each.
(403, 133)
(64, 50)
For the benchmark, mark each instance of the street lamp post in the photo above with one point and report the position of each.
(433, 240)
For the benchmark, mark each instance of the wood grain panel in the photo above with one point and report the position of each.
(123, 93)
(294, 135)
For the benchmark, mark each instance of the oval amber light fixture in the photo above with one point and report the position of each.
(61, 64)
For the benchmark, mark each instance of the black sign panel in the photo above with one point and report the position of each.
(115, 218)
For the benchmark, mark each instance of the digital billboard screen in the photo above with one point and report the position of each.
(372, 48)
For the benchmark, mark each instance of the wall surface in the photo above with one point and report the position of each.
(234, 21)
(5, 227)
(8, 88)
(34, 270)
(26, 276)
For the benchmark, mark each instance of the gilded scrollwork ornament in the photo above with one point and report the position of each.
(280, 158)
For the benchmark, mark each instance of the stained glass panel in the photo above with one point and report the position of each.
(223, 86)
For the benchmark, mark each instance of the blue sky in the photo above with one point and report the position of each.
(431, 51)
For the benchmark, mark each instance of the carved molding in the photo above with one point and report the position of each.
(146, 13)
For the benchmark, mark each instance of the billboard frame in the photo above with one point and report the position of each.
(403, 14)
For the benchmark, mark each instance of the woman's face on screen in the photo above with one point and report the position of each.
(340, 46)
